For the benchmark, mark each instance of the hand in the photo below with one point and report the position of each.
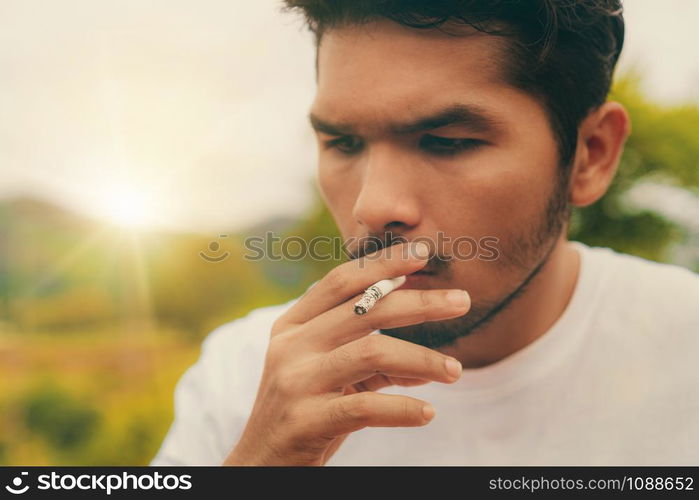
(322, 366)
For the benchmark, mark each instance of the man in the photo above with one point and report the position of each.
(436, 122)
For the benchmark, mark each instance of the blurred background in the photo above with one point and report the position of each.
(141, 141)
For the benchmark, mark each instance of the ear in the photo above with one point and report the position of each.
(601, 138)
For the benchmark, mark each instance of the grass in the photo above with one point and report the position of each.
(89, 397)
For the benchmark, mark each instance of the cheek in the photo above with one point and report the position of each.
(339, 193)
(325, 182)
(499, 195)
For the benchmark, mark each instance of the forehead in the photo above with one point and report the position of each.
(378, 72)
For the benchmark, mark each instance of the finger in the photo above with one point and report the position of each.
(372, 409)
(400, 308)
(350, 278)
(364, 358)
(379, 381)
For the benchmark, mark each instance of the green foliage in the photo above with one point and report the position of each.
(663, 146)
(61, 419)
(90, 397)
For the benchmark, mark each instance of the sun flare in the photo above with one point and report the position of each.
(128, 207)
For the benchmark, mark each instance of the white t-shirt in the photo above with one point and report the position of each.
(614, 381)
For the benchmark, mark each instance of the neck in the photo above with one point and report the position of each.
(527, 317)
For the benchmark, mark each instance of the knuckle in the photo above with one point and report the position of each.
(354, 412)
(337, 359)
(378, 318)
(371, 323)
(297, 438)
(338, 414)
(277, 350)
(428, 358)
(408, 412)
(337, 280)
(370, 349)
(294, 416)
(424, 302)
(286, 383)
(361, 408)
(278, 326)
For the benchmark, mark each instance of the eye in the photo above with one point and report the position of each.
(446, 146)
(347, 144)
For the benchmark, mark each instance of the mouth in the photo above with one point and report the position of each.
(421, 272)
(416, 279)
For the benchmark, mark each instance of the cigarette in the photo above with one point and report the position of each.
(376, 292)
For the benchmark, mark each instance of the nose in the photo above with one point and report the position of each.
(387, 200)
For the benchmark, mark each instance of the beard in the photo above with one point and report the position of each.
(525, 257)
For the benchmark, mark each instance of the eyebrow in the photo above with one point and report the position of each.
(468, 115)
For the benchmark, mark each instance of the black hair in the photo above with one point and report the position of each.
(562, 52)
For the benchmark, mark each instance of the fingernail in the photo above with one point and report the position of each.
(453, 367)
(428, 412)
(421, 250)
(458, 297)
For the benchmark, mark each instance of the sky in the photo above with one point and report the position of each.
(188, 115)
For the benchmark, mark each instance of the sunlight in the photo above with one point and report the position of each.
(127, 207)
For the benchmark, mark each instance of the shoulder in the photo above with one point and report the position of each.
(631, 272)
(645, 293)
(214, 397)
(247, 334)
(642, 338)
(233, 354)
(231, 362)
(244, 339)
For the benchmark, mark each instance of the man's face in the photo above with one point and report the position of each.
(379, 174)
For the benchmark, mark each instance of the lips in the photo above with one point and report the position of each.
(426, 269)
(417, 279)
